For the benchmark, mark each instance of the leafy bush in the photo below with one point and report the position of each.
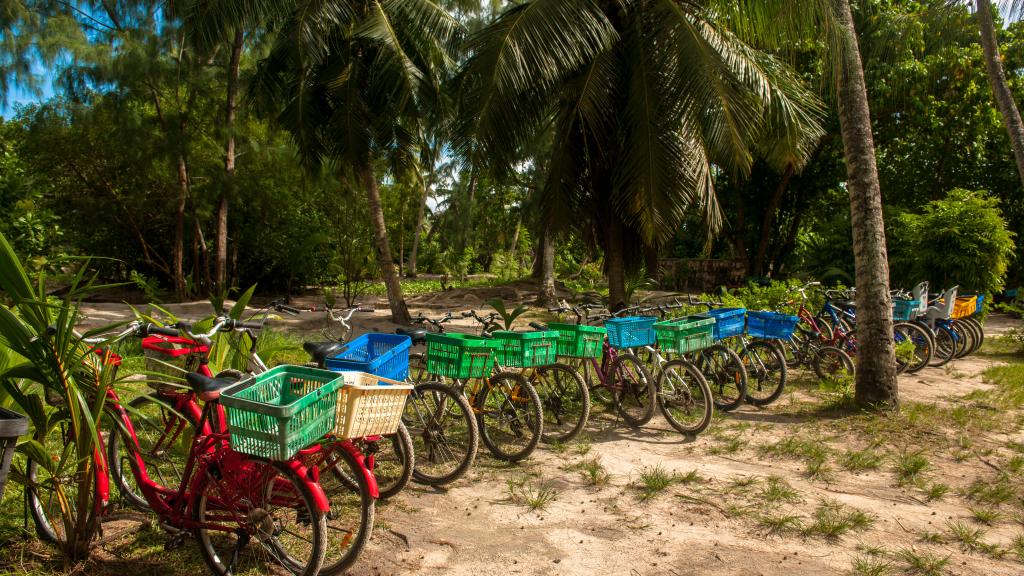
(771, 296)
(959, 240)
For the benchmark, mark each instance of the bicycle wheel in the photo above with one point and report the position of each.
(565, 401)
(634, 391)
(444, 433)
(766, 372)
(831, 362)
(393, 462)
(979, 329)
(350, 521)
(684, 397)
(258, 516)
(164, 439)
(974, 342)
(922, 354)
(945, 346)
(724, 372)
(509, 416)
(51, 482)
(966, 338)
(418, 369)
(597, 390)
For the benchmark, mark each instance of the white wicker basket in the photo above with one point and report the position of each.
(369, 405)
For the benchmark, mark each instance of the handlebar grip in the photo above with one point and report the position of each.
(467, 314)
(162, 330)
(288, 310)
(365, 309)
(538, 326)
(247, 325)
(559, 309)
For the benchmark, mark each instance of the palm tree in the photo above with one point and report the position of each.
(352, 81)
(641, 99)
(997, 78)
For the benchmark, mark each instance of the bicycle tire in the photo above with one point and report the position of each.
(980, 329)
(565, 401)
(766, 372)
(964, 339)
(631, 381)
(399, 463)
(945, 346)
(226, 487)
(444, 432)
(828, 360)
(923, 348)
(974, 329)
(350, 521)
(418, 372)
(46, 513)
(508, 407)
(180, 428)
(681, 391)
(723, 370)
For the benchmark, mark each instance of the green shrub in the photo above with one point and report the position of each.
(960, 240)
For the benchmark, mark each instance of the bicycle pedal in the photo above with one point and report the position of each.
(175, 541)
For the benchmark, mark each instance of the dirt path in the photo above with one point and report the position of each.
(759, 493)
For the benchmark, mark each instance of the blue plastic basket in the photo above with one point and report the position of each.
(903, 310)
(631, 331)
(384, 355)
(981, 304)
(771, 325)
(728, 322)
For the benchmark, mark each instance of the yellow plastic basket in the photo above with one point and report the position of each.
(369, 405)
(965, 306)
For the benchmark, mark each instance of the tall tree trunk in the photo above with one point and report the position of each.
(537, 270)
(546, 295)
(179, 230)
(230, 112)
(420, 215)
(758, 268)
(399, 310)
(876, 361)
(615, 265)
(997, 79)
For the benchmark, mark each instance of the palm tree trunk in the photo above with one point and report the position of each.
(230, 112)
(997, 79)
(758, 268)
(546, 295)
(179, 230)
(615, 265)
(876, 361)
(420, 215)
(399, 310)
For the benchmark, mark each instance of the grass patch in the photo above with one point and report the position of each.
(935, 491)
(871, 566)
(691, 477)
(655, 480)
(931, 537)
(533, 496)
(922, 563)
(970, 538)
(910, 466)
(813, 453)
(1017, 547)
(592, 471)
(831, 520)
(777, 490)
(780, 524)
(861, 460)
(985, 515)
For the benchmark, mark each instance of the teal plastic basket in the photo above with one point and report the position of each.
(684, 335)
(275, 414)
(526, 349)
(460, 355)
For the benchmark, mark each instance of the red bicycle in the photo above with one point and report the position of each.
(170, 455)
(815, 344)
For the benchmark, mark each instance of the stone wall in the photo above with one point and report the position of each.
(699, 275)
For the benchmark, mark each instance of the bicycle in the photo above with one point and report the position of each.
(764, 365)
(343, 469)
(565, 400)
(815, 344)
(226, 499)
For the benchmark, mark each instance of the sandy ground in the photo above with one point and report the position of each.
(711, 524)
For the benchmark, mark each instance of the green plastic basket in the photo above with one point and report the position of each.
(460, 355)
(275, 414)
(684, 335)
(526, 349)
(579, 340)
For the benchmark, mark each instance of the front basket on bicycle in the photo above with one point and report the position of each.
(275, 414)
(770, 325)
(729, 322)
(526, 349)
(460, 355)
(631, 331)
(369, 405)
(385, 355)
(905, 310)
(579, 340)
(684, 335)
